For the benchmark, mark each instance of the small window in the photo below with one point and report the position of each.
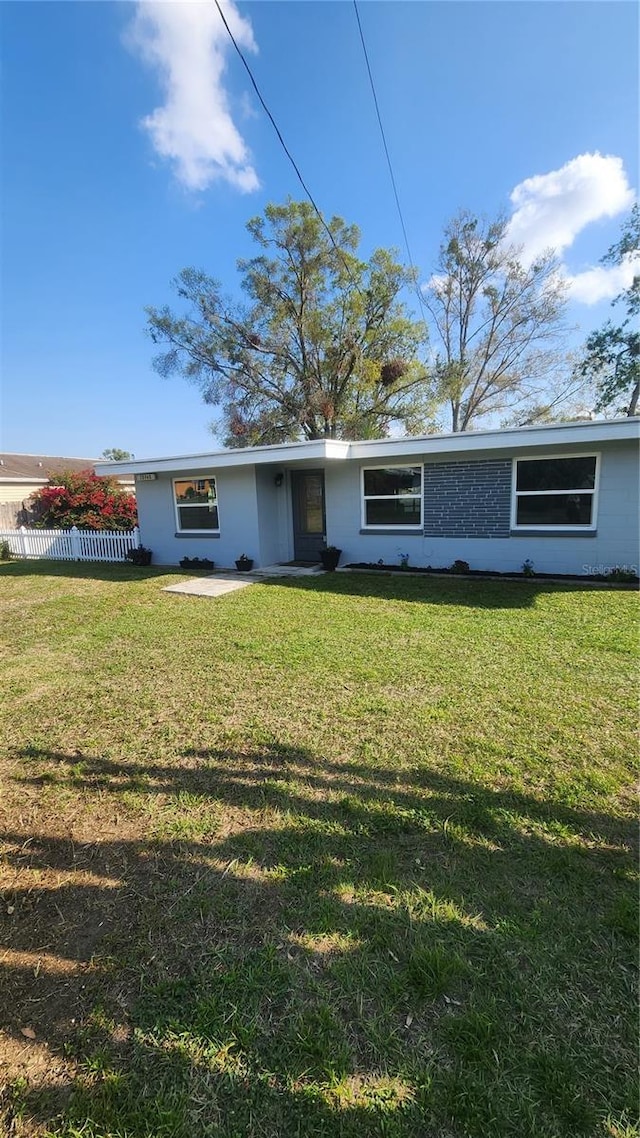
(196, 503)
(392, 496)
(555, 492)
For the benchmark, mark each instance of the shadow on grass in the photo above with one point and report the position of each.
(457, 592)
(473, 592)
(264, 778)
(308, 947)
(115, 572)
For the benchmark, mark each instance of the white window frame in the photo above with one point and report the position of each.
(563, 526)
(410, 527)
(182, 505)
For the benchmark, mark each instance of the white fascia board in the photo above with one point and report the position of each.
(28, 481)
(327, 450)
(319, 451)
(516, 438)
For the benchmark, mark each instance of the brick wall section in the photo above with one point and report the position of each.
(467, 499)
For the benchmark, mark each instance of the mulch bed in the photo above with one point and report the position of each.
(417, 570)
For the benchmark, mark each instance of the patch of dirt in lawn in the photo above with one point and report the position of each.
(60, 888)
(77, 867)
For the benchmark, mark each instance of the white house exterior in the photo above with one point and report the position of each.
(564, 496)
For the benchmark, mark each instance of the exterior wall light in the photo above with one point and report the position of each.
(279, 479)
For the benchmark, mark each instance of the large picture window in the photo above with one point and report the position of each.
(555, 492)
(392, 496)
(196, 502)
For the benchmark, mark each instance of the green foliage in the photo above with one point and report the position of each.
(321, 347)
(431, 971)
(619, 575)
(612, 353)
(5, 550)
(459, 566)
(115, 454)
(623, 917)
(83, 499)
(471, 1036)
(197, 563)
(496, 322)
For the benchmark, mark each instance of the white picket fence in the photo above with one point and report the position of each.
(71, 544)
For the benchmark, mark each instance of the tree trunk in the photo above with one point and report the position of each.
(634, 400)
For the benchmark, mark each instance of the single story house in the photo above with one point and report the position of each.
(564, 496)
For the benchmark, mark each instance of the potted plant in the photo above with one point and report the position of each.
(244, 564)
(330, 558)
(196, 563)
(139, 556)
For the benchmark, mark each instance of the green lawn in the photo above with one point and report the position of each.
(342, 856)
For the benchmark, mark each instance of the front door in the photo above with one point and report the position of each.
(308, 514)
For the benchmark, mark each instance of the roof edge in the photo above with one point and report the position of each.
(332, 449)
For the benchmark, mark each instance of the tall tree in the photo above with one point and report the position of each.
(612, 353)
(497, 323)
(322, 346)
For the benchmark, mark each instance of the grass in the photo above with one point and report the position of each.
(345, 856)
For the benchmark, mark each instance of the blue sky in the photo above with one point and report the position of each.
(114, 180)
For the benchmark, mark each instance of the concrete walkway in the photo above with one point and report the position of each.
(217, 584)
(214, 586)
(286, 571)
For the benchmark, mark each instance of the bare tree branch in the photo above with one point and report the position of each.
(494, 320)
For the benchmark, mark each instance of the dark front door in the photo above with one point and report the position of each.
(308, 514)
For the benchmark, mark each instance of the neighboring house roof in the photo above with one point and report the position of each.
(21, 471)
(463, 442)
(38, 467)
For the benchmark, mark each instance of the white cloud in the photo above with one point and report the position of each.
(187, 44)
(602, 283)
(550, 210)
(437, 282)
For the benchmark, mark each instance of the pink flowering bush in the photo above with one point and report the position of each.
(86, 500)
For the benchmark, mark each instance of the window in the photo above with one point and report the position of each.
(392, 496)
(196, 503)
(555, 492)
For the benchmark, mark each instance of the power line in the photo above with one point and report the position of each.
(388, 156)
(286, 148)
